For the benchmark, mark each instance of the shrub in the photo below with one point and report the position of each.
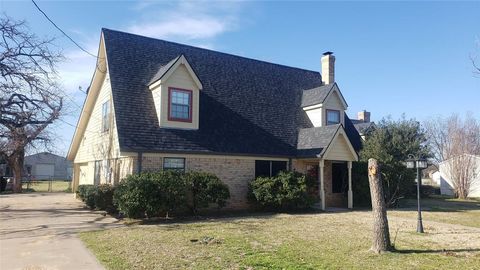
(103, 198)
(89, 196)
(204, 189)
(286, 191)
(82, 190)
(150, 194)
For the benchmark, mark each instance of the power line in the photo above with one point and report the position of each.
(71, 39)
(63, 32)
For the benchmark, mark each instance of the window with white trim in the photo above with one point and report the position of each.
(333, 117)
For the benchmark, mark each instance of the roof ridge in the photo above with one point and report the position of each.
(199, 48)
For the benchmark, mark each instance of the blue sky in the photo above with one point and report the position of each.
(392, 57)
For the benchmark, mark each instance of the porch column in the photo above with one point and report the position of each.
(321, 165)
(350, 192)
(75, 179)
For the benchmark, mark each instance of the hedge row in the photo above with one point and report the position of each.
(151, 194)
(98, 197)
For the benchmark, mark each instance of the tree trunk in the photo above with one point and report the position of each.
(16, 163)
(381, 234)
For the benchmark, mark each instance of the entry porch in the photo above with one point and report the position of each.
(333, 187)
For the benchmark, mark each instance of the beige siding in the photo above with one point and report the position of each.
(339, 150)
(85, 174)
(95, 144)
(182, 79)
(316, 117)
(334, 102)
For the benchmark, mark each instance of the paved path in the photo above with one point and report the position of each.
(38, 231)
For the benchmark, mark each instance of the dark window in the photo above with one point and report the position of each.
(97, 171)
(267, 168)
(278, 166)
(106, 116)
(333, 117)
(177, 164)
(180, 105)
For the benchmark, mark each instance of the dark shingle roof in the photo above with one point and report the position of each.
(316, 95)
(247, 106)
(164, 69)
(312, 141)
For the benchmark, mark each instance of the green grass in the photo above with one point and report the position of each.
(284, 241)
(43, 186)
(444, 209)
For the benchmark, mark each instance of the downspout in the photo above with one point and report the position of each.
(139, 162)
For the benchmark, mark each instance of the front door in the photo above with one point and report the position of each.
(339, 177)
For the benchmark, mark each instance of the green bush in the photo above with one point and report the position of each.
(150, 194)
(103, 198)
(286, 191)
(82, 190)
(204, 189)
(89, 196)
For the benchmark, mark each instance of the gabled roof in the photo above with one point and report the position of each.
(364, 127)
(315, 141)
(163, 69)
(318, 95)
(247, 107)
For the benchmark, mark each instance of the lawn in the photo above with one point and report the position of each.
(286, 241)
(43, 186)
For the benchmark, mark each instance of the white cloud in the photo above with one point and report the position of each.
(187, 20)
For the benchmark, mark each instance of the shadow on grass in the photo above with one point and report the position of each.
(427, 251)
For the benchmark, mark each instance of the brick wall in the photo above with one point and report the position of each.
(236, 173)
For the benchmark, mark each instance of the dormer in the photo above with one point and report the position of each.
(176, 94)
(324, 105)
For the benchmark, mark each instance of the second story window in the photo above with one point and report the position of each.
(179, 105)
(333, 117)
(106, 116)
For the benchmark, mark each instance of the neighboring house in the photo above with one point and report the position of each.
(158, 105)
(446, 184)
(363, 124)
(43, 166)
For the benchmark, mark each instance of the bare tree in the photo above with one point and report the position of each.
(456, 141)
(30, 98)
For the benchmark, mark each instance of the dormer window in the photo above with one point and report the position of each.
(333, 117)
(179, 105)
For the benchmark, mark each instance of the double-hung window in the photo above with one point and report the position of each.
(333, 117)
(177, 164)
(106, 116)
(180, 105)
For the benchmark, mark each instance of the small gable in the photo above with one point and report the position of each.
(340, 149)
(334, 101)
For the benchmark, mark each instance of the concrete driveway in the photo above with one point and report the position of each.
(38, 231)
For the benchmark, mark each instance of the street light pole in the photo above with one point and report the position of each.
(419, 223)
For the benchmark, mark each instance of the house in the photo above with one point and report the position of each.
(159, 105)
(446, 183)
(43, 166)
(363, 124)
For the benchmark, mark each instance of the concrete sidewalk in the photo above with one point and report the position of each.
(38, 231)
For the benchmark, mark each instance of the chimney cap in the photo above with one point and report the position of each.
(328, 53)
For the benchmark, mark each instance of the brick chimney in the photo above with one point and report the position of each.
(328, 68)
(364, 116)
